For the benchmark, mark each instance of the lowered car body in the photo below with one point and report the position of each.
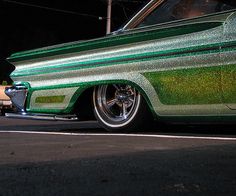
(175, 60)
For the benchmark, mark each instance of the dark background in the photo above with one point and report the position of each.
(32, 24)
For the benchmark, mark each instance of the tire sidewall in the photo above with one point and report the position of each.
(135, 120)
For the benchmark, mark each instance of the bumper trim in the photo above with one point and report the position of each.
(34, 116)
(18, 95)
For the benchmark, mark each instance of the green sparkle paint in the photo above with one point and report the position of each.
(50, 99)
(111, 41)
(229, 84)
(187, 86)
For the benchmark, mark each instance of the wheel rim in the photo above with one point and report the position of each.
(116, 104)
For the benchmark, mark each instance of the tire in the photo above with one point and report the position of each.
(119, 107)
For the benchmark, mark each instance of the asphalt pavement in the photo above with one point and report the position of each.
(79, 158)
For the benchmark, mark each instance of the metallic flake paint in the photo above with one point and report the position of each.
(183, 69)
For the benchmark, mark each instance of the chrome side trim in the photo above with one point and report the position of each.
(42, 116)
(138, 18)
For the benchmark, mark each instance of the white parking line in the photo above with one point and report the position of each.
(123, 135)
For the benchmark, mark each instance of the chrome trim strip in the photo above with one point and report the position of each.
(42, 116)
(142, 14)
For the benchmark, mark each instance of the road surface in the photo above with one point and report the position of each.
(70, 158)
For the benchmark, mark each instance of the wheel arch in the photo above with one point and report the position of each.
(84, 104)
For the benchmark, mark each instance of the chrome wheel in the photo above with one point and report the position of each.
(116, 105)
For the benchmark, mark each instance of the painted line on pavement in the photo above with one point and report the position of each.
(124, 135)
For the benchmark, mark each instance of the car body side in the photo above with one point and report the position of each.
(183, 69)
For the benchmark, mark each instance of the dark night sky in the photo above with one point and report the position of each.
(26, 27)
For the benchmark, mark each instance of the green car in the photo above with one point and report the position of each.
(175, 60)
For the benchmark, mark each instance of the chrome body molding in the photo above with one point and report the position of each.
(42, 116)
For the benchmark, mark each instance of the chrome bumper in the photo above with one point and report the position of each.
(18, 95)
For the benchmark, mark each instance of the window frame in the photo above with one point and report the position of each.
(149, 8)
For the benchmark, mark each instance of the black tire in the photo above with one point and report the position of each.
(120, 107)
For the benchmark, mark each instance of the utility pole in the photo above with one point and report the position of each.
(109, 4)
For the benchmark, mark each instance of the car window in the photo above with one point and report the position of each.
(171, 10)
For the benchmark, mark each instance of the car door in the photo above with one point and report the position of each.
(187, 79)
